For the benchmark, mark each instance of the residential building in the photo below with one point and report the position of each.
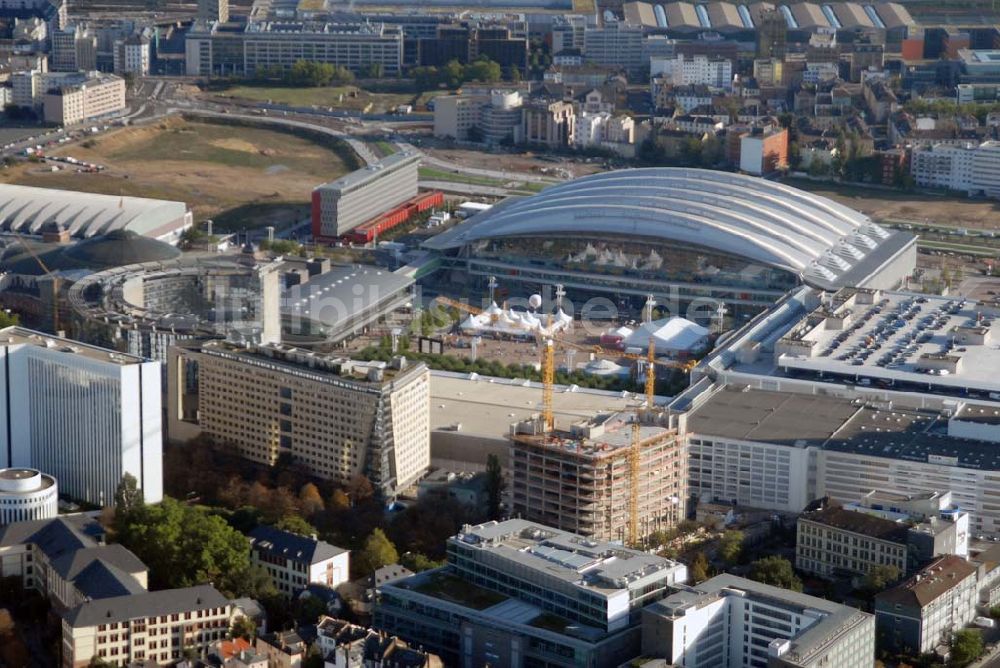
(27, 88)
(27, 494)
(340, 206)
(714, 72)
(515, 593)
(568, 33)
(283, 649)
(921, 614)
(294, 561)
(82, 414)
(880, 100)
(346, 645)
(131, 55)
(970, 167)
(580, 479)
(853, 540)
(733, 621)
(336, 417)
(84, 98)
(73, 49)
(596, 129)
(764, 150)
(225, 49)
(213, 10)
(158, 626)
(550, 124)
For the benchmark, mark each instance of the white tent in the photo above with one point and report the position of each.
(671, 335)
(602, 367)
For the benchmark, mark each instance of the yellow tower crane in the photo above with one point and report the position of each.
(56, 282)
(633, 480)
(548, 381)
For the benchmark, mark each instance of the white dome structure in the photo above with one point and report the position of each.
(637, 231)
(27, 494)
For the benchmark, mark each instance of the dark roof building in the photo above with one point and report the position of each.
(295, 561)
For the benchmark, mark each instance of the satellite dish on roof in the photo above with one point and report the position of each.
(535, 300)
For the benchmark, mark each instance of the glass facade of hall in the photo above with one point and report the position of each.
(639, 258)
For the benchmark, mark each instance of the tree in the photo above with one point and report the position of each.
(377, 552)
(128, 498)
(699, 568)
(880, 577)
(310, 500)
(494, 486)
(966, 647)
(483, 69)
(243, 627)
(730, 546)
(453, 74)
(295, 524)
(186, 545)
(417, 562)
(777, 571)
(258, 583)
(339, 501)
(8, 319)
(359, 488)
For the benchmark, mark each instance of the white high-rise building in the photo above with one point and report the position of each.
(972, 168)
(83, 414)
(716, 73)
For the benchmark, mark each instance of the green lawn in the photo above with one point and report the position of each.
(431, 174)
(452, 588)
(338, 97)
(385, 147)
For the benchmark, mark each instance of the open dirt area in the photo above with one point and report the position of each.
(902, 206)
(261, 177)
(526, 162)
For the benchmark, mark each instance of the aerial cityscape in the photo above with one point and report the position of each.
(499, 333)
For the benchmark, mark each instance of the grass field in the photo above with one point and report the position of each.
(907, 206)
(242, 176)
(431, 174)
(338, 97)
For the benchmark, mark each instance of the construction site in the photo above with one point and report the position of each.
(618, 476)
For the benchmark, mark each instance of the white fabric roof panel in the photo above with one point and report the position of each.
(739, 215)
(25, 210)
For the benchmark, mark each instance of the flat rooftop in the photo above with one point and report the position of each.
(486, 406)
(362, 176)
(20, 336)
(319, 366)
(596, 565)
(342, 294)
(597, 436)
(837, 424)
(884, 343)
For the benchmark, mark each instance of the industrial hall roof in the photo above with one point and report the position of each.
(25, 210)
(743, 216)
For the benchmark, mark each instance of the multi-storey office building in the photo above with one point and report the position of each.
(921, 614)
(517, 593)
(340, 206)
(217, 49)
(779, 450)
(616, 43)
(294, 561)
(131, 55)
(83, 98)
(733, 621)
(580, 480)
(73, 49)
(82, 414)
(716, 73)
(336, 417)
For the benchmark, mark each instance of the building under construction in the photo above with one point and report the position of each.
(618, 476)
